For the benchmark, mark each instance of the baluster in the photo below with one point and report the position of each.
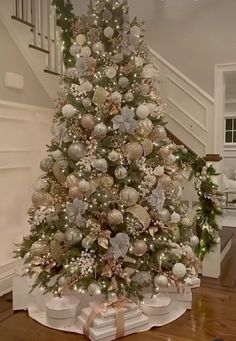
(42, 13)
(56, 68)
(49, 14)
(34, 20)
(22, 10)
(18, 9)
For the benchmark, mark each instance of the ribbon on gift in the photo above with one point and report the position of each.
(96, 312)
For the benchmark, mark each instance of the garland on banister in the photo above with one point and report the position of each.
(210, 198)
(210, 205)
(65, 19)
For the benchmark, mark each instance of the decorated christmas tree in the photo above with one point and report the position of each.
(107, 214)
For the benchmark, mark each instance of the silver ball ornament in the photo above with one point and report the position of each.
(186, 221)
(117, 58)
(116, 97)
(164, 215)
(73, 235)
(40, 198)
(139, 248)
(179, 270)
(84, 186)
(85, 51)
(129, 96)
(115, 217)
(123, 82)
(76, 151)
(100, 130)
(94, 289)
(86, 102)
(165, 181)
(80, 39)
(160, 281)
(110, 72)
(57, 155)
(145, 127)
(68, 110)
(100, 165)
(108, 32)
(113, 156)
(46, 164)
(175, 218)
(160, 133)
(120, 172)
(41, 185)
(74, 50)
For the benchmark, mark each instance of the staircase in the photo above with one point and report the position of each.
(32, 25)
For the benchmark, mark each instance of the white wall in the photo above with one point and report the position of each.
(12, 60)
(24, 131)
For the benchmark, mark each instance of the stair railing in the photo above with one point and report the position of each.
(40, 15)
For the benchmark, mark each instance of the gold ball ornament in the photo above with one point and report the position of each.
(107, 181)
(38, 248)
(134, 151)
(87, 121)
(115, 217)
(139, 248)
(129, 196)
(145, 127)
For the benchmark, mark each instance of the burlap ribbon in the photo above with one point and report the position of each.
(97, 311)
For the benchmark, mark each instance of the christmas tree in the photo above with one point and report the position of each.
(107, 214)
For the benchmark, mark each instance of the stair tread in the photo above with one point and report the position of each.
(226, 235)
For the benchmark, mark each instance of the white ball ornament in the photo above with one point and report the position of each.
(68, 110)
(73, 235)
(175, 218)
(194, 241)
(123, 82)
(85, 51)
(94, 289)
(179, 270)
(160, 281)
(84, 186)
(142, 111)
(100, 165)
(76, 151)
(100, 130)
(110, 72)
(134, 151)
(120, 172)
(115, 217)
(88, 121)
(129, 196)
(80, 39)
(108, 32)
(129, 96)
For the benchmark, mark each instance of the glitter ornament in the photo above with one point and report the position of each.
(86, 87)
(134, 151)
(38, 248)
(164, 215)
(40, 198)
(68, 110)
(71, 180)
(186, 221)
(94, 289)
(87, 121)
(80, 39)
(76, 151)
(113, 156)
(145, 127)
(84, 186)
(74, 192)
(108, 32)
(194, 241)
(120, 172)
(75, 50)
(115, 217)
(107, 181)
(116, 97)
(100, 165)
(129, 96)
(160, 281)
(139, 248)
(175, 217)
(98, 47)
(160, 133)
(123, 82)
(85, 51)
(73, 235)
(86, 102)
(110, 72)
(159, 170)
(100, 130)
(129, 196)
(179, 270)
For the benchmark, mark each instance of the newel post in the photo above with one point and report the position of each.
(211, 265)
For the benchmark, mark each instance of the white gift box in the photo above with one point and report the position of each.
(131, 325)
(157, 305)
(61, 312)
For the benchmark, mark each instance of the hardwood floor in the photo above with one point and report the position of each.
(213, 315)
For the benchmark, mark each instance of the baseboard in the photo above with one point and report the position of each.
(7, 272)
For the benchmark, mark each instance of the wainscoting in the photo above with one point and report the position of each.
(24, 131)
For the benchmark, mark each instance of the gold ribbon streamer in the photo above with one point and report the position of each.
(96, 312)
